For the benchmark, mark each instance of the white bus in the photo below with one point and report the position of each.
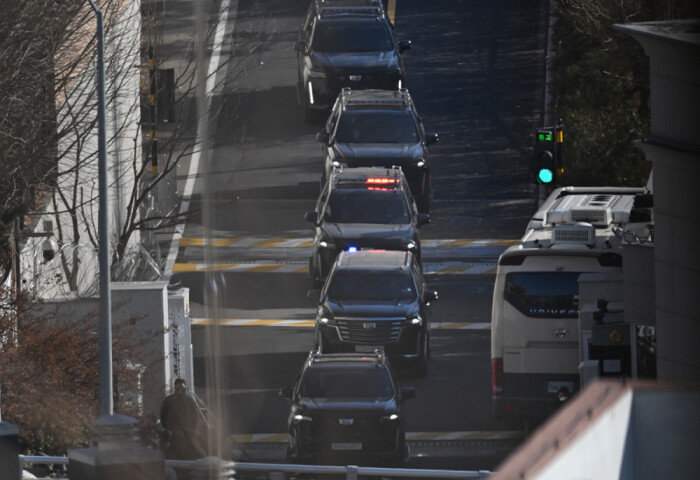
(534, 319)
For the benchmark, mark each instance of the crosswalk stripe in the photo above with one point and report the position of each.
(306, 242)
(445, 268)
(410, 436)
(279, 322)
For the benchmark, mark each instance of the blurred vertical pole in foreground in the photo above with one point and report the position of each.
(214, 378)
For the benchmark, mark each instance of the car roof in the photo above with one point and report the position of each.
(374, 259)
(346, 359)
(334, 8)
(376, 99)
(363, 173)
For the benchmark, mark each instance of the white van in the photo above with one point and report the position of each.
(534, 319)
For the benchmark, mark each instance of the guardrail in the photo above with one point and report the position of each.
(351, 472)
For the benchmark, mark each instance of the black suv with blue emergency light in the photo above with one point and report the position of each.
(379, 128)
(346, 43)
(376, 300)
(347, 408)
(363, 208)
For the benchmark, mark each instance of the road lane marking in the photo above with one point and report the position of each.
(280, 322)
(301, 267)
(281, 242)
(212, 73)
(410, 436)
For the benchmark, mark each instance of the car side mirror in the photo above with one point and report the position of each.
(407, 393)
(405, 45)
(432, 138)
(431, 295)
(311, 216)
(313, 294)
(285, 392)
(323, 136)
(300, 46)
(423, 219)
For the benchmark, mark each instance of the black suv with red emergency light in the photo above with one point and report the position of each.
(347, 408)
(362, 208)
(379, 128)
(376, 300)
(346, 43)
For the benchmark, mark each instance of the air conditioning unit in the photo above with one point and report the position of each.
(598, 209)
(582, 233)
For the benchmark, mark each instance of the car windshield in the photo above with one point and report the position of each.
(362, 205)
(377, 127)
(356, 36)
(396, 285)
(346, 382)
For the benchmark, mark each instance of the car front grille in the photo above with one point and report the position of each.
(358, 330)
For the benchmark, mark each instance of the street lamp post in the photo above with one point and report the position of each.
(105, 314)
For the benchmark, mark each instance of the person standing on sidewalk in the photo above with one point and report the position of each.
(180, 418)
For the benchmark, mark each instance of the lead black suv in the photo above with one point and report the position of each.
(363, 208)
(379, 128)
(346, 43)
(347, 407)
(376, 300)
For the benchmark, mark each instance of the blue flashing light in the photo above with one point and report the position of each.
(352, 249)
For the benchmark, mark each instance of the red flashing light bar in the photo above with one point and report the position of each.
(381, 181)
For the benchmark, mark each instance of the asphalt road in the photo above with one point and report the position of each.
(476, 73)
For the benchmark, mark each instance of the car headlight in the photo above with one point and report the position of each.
(302, 418)
(421, 163)
(391, 418)
(316, 73)
(411, 245)
(325, 244)
(417, 321)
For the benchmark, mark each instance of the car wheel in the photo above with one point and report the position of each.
(420, 367)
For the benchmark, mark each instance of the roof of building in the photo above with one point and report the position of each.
(680, 31)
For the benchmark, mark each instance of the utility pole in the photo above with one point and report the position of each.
(105, 320)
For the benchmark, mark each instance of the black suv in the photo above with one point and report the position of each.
(346, 44)
(376, 300)
(363, 208)
(347, 408)
(379, 128)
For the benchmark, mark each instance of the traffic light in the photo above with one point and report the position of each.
(546, 156)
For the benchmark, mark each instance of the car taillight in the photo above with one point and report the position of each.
(497, 376)
(381, 181)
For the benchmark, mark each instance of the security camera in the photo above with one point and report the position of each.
(48, 249)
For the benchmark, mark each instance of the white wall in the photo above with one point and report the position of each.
(77, 150)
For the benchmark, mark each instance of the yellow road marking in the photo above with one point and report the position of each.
(223, 242)
(265, 268)
(310, 243)
(391, 10)
(270, 242)
(451, 269)
(460, 242)
(263, 322)
(185, 267)
(505, 243)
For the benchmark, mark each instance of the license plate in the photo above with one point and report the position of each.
(369, 348)
(346, 446)
(554, 387)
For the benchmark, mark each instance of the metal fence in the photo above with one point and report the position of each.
(273, 470)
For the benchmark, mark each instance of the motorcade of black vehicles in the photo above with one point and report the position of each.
(362, 208)
(347, 408)
(379, 128)
(348, 43)
(376, 300)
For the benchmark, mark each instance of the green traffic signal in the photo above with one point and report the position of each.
(545, 175)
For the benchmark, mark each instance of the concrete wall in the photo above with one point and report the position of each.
(73, 209)
(141, 322)
(674, 148)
